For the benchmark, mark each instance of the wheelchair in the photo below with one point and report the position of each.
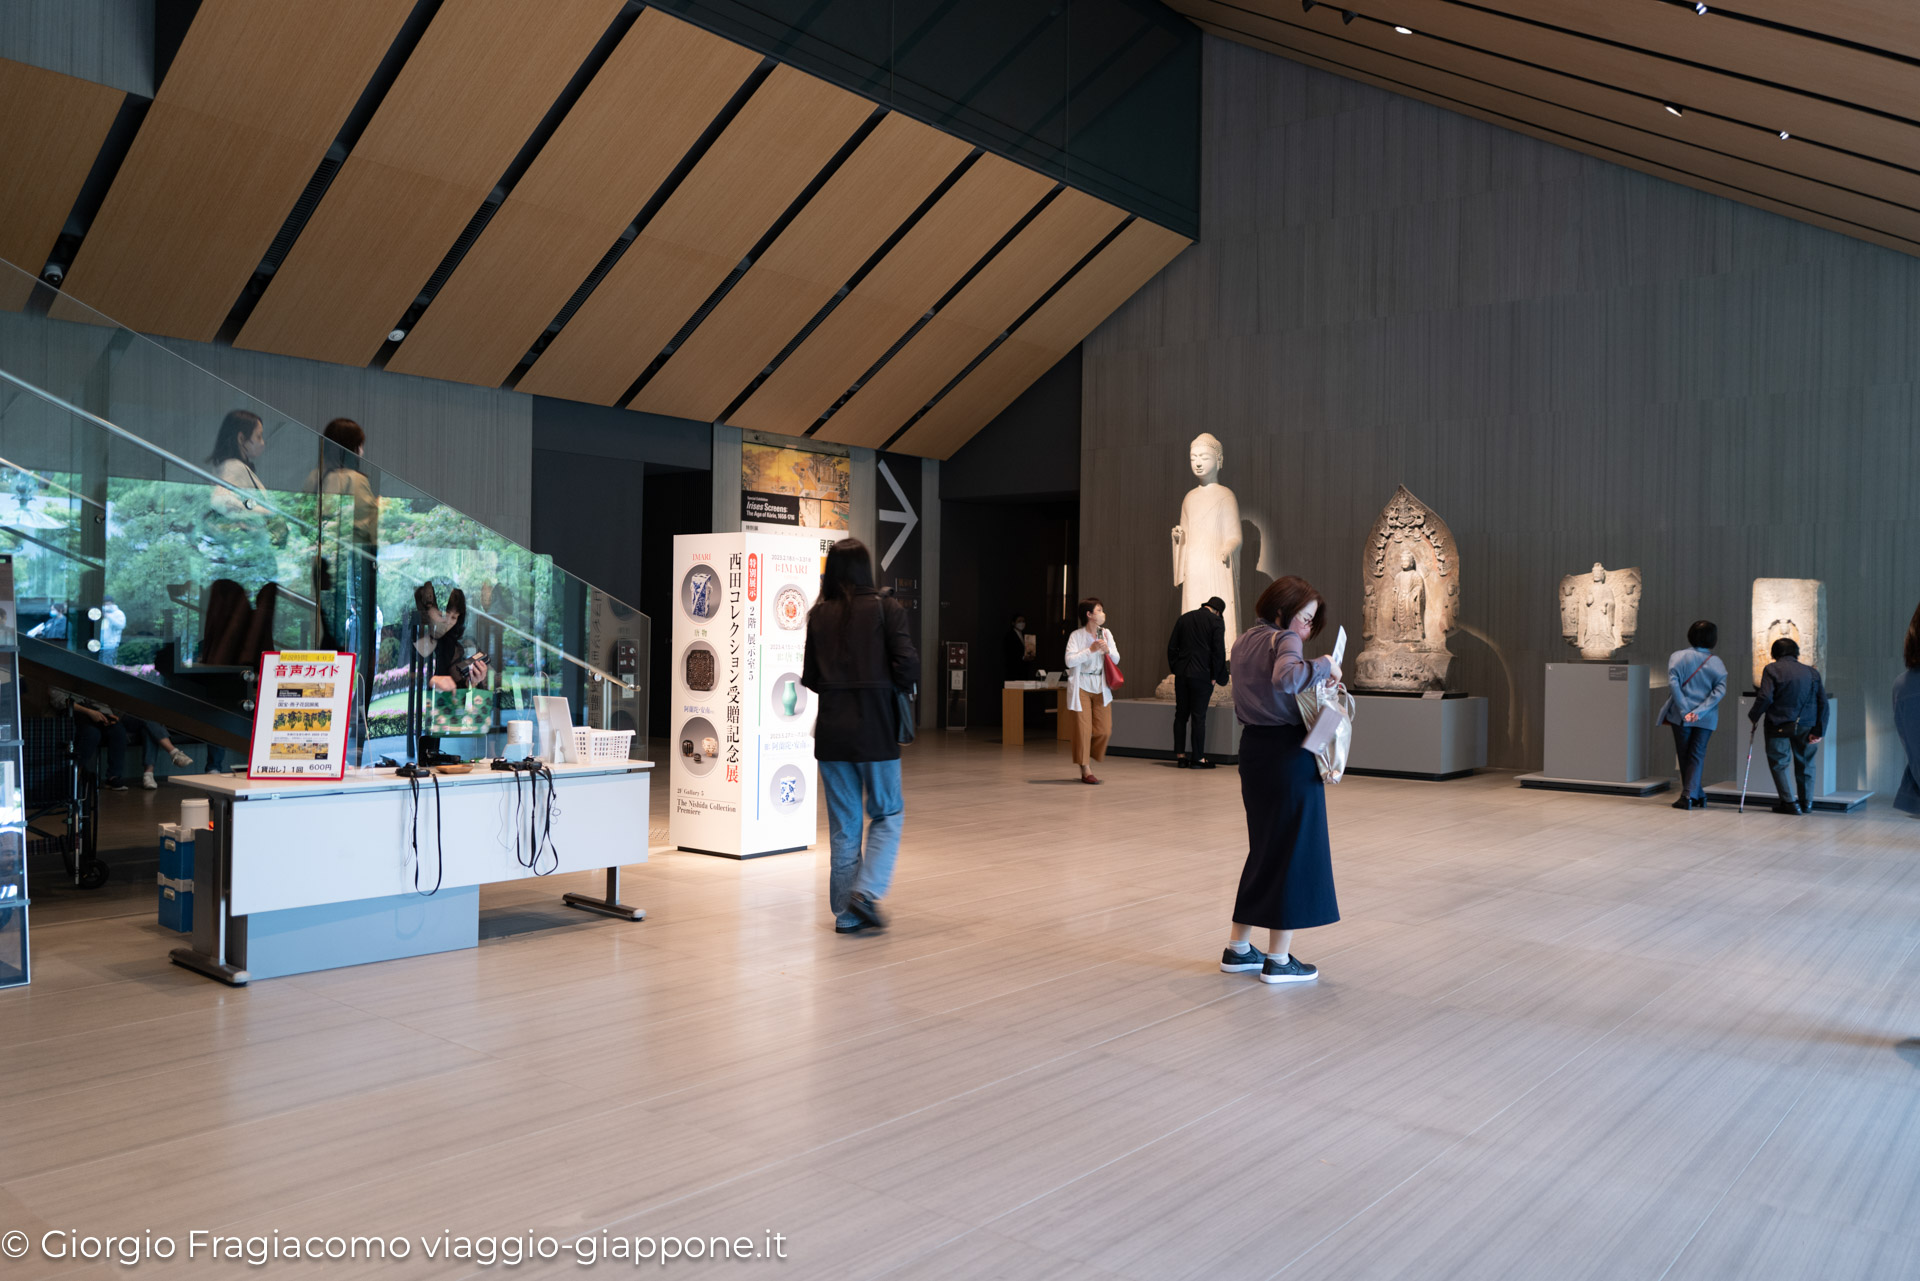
(58, 790)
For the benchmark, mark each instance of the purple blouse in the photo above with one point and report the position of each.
(1269, 668)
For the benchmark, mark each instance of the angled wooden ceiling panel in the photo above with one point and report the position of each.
(1744, 48)
(1446, 29)
(894, 170)
(1030, 264)
(1879, 24)
(974, 214)
(1532, 128)
(55, 127)
(1845, 167)
(758, 166)
(483, 76)
(247, 111)
(649, 104)
(1055, 328)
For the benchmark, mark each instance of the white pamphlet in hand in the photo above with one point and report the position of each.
(1340, 648)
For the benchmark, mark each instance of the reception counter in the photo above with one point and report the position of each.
(299, 876)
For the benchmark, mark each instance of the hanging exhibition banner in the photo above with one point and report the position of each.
(300, 721)
(743, 775)
(794, 488)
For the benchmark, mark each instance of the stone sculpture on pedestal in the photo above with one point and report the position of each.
(1792, 607)
(1411, 599)
(1600, 611)
(1206, 547)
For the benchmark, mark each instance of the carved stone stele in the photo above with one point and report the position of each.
(1600, 611)
(1410, 578)
(1792, 607)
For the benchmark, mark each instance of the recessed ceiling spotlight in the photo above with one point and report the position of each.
(1348, 15)
(1700, 7)
(1405, 31)
(1672, 110)
(1784, 135)
(396, 335)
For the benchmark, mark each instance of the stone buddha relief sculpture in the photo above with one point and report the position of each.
(1411, 599)
(1600, 611)
(1795, 608)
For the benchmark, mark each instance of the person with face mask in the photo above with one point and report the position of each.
(1089, 694)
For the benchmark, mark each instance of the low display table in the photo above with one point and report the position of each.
(1426, 738)
(1144, 727)
(299, 876)
(1596, 730)
(1013, 711)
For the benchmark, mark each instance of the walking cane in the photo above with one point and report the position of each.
(1749, 770)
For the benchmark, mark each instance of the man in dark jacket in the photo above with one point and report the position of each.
(1197, 656)
(1793, 703)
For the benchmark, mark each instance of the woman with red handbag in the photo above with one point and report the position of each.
(1093, 670)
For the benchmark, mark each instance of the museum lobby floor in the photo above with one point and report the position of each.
(1556, 1036)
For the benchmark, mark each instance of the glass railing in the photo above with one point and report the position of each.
(171, 527)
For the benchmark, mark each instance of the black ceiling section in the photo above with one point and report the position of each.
(1101, 94)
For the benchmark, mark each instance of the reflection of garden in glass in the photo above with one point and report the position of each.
(114, 482)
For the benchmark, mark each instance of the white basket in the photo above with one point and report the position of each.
(602, 744)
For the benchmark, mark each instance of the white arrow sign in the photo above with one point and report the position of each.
(906, 518)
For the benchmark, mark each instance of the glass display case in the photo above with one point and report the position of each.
(15, 968)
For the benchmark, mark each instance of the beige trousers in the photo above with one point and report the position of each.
(1092, 726)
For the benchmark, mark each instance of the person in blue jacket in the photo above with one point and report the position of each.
(1906, 719)
(1696, 682)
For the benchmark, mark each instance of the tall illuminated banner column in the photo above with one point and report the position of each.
(743, 777)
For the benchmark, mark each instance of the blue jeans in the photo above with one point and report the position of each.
(871, 872)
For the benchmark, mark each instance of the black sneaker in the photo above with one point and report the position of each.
(1806, 808)
(1181, 762)
(113, 785)
(1232, 962)
(1204, 763)
(860, 927)
(867, 910)
(1780, 808)
(1291, 970)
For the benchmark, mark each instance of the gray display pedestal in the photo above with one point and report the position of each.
(1596, 730)
(1826, 795)
(1144, 727)
(1429, 738)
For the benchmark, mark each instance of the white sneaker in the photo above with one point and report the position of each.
(147, 783)
(181, 758)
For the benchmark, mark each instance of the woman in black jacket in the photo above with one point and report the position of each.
(858, 655)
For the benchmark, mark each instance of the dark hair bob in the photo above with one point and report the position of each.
(1703, 635)
(1286, 597)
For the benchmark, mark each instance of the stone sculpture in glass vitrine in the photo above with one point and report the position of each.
(1600, 611)
(1410, 600)
(1795, 608)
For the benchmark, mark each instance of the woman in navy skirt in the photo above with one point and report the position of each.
(1287, 884)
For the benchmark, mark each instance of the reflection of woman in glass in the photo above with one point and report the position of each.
(241, 440)
(454, 666)
(349, 548)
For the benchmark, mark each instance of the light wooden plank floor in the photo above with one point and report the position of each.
(1556, 1036)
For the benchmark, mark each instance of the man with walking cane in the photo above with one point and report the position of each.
(1792, 706)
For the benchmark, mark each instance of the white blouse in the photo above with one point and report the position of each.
(1086, 669)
